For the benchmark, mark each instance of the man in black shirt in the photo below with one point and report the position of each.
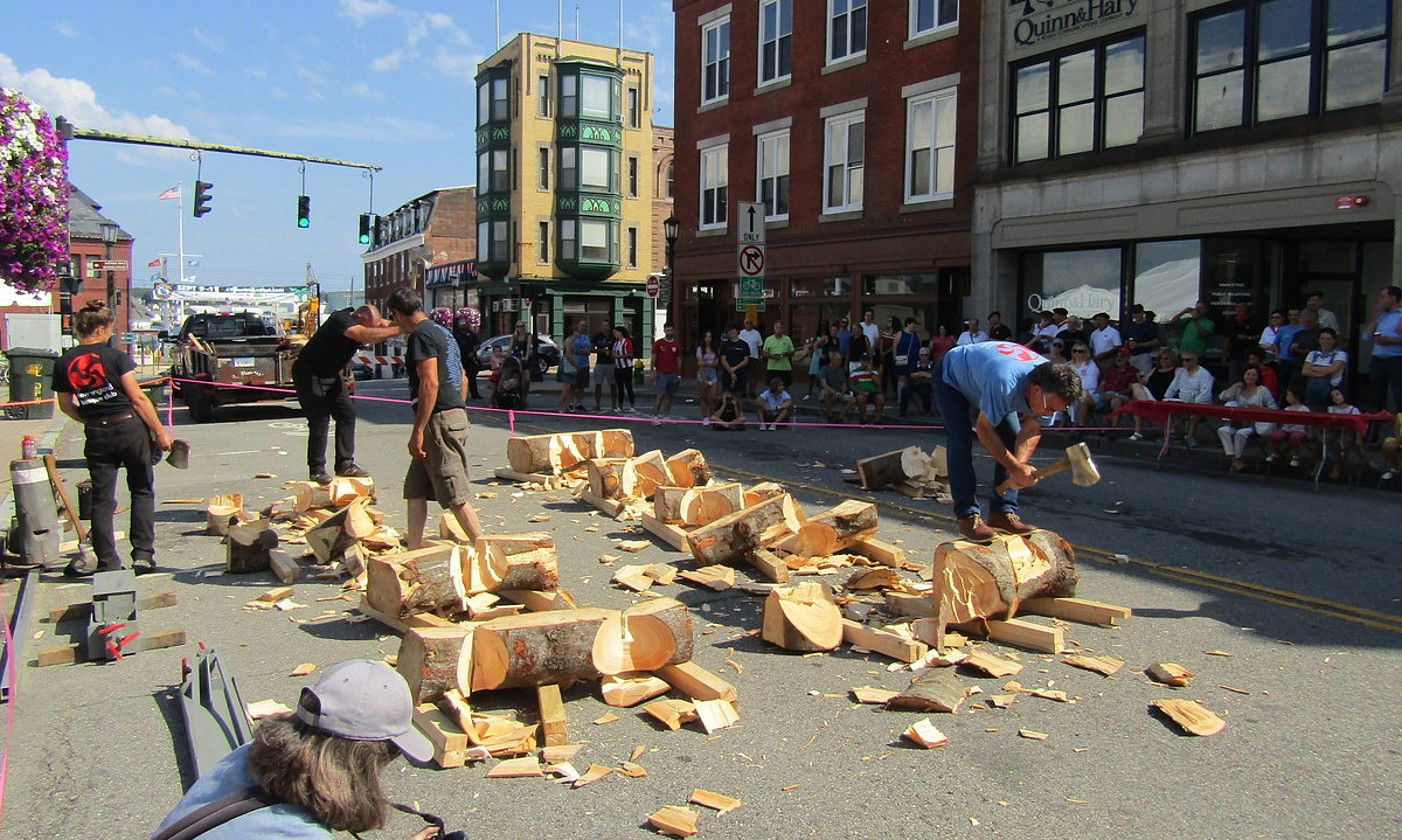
(997, 330)
(438, 442)
(735, 361)
(319, 375)
(603, 369)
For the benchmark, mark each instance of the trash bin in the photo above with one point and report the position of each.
(31, 378)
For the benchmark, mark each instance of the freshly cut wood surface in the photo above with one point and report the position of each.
(767, 563)
(630, 689)
(974, 581)
(606, 477)
(673, 714)
(719, 578)
(992, 664)
(932, 690)
(1078, 609)
(449, 741)
(924, 733)
(516, 768)
(537, 569)
(552, 453)
(424, 580)
(1192, 716)
(644, 637)
(1017, 632)
(833, 530)
(802, 618)
(250, 546)
(218, 519)
(615, 443)
(718, 802)
(688, 469)
(553, 723)
(436, 660)
(716, 714)
(1107, 665)
(697, 683)
(729, 537)
(883, 642)
(704, 505)
(764, 490)
(1170, 673)
(674, 821)
(881, 471)
(643, 474)
(538, 648)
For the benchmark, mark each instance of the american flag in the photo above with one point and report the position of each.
(173, 192)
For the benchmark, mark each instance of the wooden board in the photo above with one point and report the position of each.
(1078, 609)
(1019, 633)
(506, 474)
(553, 724)
(883, 642)
(83, 609)
(399, 625)
(697, 683)
(71, 653)
(540, 601)
(448, 739)
(881, 551)
(610, 506)
(672, 535)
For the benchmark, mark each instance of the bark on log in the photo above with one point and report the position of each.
(643, 474)
(435, 660)
(537, 569)
(667, 503)
(688, 469)
(974, 581)
(833, 530)
(250, 547)
(802, 617)
(606, 477)
(933, 690)
(730, 537)
(646, 636)
(559, 453)
(329, 540)
(426, 580)
(881, 471)
(522, 651)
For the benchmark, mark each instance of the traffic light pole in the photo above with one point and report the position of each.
(70, 131)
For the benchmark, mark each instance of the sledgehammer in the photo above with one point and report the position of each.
(1084, 473)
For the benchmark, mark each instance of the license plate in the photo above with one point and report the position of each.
(244, 361)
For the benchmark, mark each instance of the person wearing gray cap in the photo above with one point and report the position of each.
(348, 726)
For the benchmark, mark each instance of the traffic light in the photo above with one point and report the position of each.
(202, 198)
(304, 211)
(367, 222)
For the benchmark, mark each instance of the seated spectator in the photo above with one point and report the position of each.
(971, 334)
(1248, 393)
(920, 383)
(1340, 442)
(1192, 383)
(1323, 370)
(1296, 342)
(775, 406)
(1075, 332)
(1047, 329)
(1117, 383)
(866, 388)
(1056, 352)
(1295, 433)
(1085, 367)
(997, 330)
(1268, 374)
(729, 417)
(315, 770)
(833, 392)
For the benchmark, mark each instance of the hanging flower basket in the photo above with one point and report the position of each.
(34, 193)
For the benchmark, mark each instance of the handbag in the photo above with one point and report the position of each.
(902, 360)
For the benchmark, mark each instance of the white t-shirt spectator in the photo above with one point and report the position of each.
(1294, 428)
(754, 339)
(967, 337)
(774, 401)
(1190, 387)
(1050, 331)
(1344, 409)
(1270, 340)
(1090, 377)
(873, 332)
(1103, 341)
(1319, 357)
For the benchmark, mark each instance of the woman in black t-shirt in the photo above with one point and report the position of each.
(96, 386)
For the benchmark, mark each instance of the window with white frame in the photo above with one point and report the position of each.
(543, 95)
(847, 29)
(594, 236)
(635, 117)
(715, 61)
(929, 15)
(715, 178)
(544, 176)
(772, 173)
(929, 144)
(844, 159)
(594, 96)
(775, 40)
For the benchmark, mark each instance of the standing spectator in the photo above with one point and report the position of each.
(1142, 338)
(860, 347)
(834, 392)
(623, 367)
(920, 383)
(870, 329)
(1117, 383)
(971, 334)
(887, 343)
(666, 366)
(844, 338)
(815, 349)
(1268, 375)
(1323, 370)
(1061, 319)
(997, 330)
(866, 388)
(1105, 340)
(778, 355)
(940, 343)
(1244, 331)
(1293, 432)
(1385, 331)
(907, 352)
(1047, 329)
(775, 406)
(729, 417)
(1315, 300)
(1296, 342)
(1089, 372)
(578, 347)
(604, 370)
(523, 350)
(832, 347)
(1248, 393)
(1192, 383)
(1154, 385)
(1269, 340)
(1198, 329)
(753, 339)
(735, 362)
(465, 325)
(1075, 332)
(707, 376)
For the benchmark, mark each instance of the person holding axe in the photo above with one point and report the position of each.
(1012, 388)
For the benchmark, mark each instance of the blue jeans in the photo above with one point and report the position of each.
(954, 408)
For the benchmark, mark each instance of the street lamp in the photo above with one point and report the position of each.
(109, 238)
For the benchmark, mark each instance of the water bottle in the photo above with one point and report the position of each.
(30, 447)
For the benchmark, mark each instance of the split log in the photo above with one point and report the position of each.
(630, 689)
(667, 503)
(730, 537)
(436, 660)
(883, 642)
(552, 454)
(614, 443)
(250, 547)
(329, 540)
(219, 518)
(704, 505)
(310, 496)
(643, 474)
(343, 490)
(768, 564)
(537, 569)
(523, 651)
(802, 617)
(425, 580)
(644, 637)
(833, 530)
(605, 477)
(284, 566)
(881, 471)
(974, 581)
(688, 469)
(698, 683)
(359, 523)
(554, 725)
(449, 741)
(932, 690)
(763, 490)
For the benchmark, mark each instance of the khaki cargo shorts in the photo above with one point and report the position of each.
(442, 476)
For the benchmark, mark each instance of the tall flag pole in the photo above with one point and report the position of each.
(178, 194)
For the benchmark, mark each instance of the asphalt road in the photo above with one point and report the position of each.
(1214, 563)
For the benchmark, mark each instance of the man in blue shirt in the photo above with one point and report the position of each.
(1012, 388)
(1385, 369)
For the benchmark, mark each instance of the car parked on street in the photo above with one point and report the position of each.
(547, 352)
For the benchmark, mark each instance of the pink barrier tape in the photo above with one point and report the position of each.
(55, 399)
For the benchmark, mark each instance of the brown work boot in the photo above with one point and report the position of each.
(1008, 523)
(972, 528)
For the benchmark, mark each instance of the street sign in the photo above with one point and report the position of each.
(750, 255)
(108, 265)
(752, 288)
(747, 305)
(752, 261)
(654, 286)
(750, 227)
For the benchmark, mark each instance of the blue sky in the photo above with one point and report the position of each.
(372, 81)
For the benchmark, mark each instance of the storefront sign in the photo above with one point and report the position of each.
(1037, 25)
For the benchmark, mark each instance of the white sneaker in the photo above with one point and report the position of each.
(1294, 462)
(706, 421)
(1136, 436)
(1387, 476)
(657, 419)
(807, 397)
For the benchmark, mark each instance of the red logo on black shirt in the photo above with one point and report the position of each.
(87, 371)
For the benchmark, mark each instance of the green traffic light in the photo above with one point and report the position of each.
(304, 222)
(365, 239)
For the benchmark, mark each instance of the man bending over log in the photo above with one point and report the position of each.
(1012, 388)
(438, 443)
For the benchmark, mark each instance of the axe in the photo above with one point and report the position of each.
(1084, 473)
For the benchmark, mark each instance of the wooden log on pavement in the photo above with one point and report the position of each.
(537, 569)
(881, 471)
(974, 581)
(833, 530)
(250, 547)
(644, 637)
(802, 618)
(428, 579)
(539, 648)
(643, 474)
(606, 477)
(435, 660)
(730, 537)
(552, 454)
(688, 469)
(704, 505)
(764, 490)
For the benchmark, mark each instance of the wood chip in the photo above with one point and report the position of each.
(539, 517)
(1235, 690)
(716, 714)
(991, 664)
(638, 752)
(560, 754)
(516, 768)
(633, 545)
(1107, 665)
(1035, 736)
(632, 770)
(874, 696)
(1218, 653)
(924, 733)
(266, 708)
(608, 717)
(1001, 701)
(592, 775)
(1170, 673)
(272, 596)
(1191, 716)
(303, 669)
(265, 475)
(716, 801)
(674, 821)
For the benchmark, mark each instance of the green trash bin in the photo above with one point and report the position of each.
(31, 378)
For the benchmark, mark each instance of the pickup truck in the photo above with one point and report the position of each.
(234, 349)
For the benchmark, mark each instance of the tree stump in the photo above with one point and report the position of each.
(974, 581)
(802, 618)
(250, 547)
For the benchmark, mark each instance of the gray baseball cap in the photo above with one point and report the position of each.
(364, 700)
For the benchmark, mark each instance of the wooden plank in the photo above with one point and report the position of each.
(553, 723)
(883, 642)
(697, 683)
(284, 566)
(57, 655)
(71, 653)
(169, 637)
(915, 606)
(881, 551)
(1020, 633)
(669, 534)
(401, 625)
(540, 601)
(507, 474)
(1077, 609)
(610, 506)
(82, 609)
(449, 741)
(768, 564)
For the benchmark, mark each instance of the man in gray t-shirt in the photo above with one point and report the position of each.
(833, 379)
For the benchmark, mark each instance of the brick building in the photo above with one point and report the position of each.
(436, 228)
(854, 124)
(663, 152)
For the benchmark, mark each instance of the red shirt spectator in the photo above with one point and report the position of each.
(666, 355)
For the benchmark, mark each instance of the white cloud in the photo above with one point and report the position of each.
(77, 100)
(65, 29)
(424, 32)
(258, 72)
(214, 42)
(387, 62)
(362, 90)
(194, 65)
(456, 64)
(309, 76)
(360, 10)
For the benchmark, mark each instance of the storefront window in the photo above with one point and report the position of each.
(1166, 276)
(821, 287)
(900, 284)
(1230, 274)
(1082, 282)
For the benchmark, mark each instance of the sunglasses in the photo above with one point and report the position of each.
(1080, 352)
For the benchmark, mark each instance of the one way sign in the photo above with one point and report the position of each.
(751, 223)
